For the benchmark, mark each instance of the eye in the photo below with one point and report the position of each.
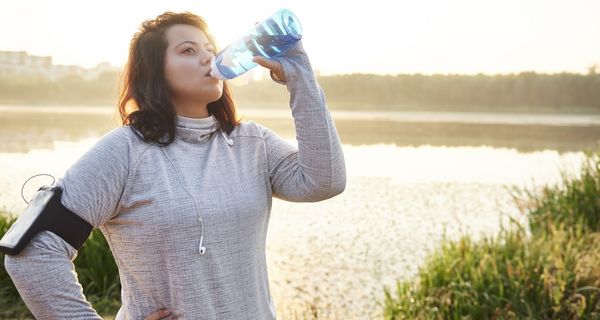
(188, 49)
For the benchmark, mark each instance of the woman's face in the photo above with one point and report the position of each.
(187, 63)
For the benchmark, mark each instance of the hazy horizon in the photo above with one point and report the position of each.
(588, 68)
(429, 37)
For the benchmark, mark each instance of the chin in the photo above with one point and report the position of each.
(211, 95)
(216, 96)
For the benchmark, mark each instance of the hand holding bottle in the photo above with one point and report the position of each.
(273, 65)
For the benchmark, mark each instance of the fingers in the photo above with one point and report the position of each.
(269, 64)
(273, 65)
(158, 314)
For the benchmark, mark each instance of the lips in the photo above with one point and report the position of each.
(207, 74)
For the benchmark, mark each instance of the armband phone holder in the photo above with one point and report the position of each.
(45, 212)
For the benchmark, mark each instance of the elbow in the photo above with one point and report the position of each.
(13, 266)
(338, 184)
(338, 181)
(335, 191)
(335, 188)
(45, 248)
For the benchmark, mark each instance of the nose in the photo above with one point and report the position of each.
(207, 58)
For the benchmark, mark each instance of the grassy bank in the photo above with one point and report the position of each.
(96, 270)
(11, 305)
(550, 270)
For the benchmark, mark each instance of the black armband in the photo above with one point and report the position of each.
(45, 212)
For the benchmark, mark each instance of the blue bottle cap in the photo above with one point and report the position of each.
(291, 24)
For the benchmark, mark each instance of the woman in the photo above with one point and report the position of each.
(182, 191)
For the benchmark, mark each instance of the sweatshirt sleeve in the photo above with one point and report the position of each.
(315, 170)
(44, 273)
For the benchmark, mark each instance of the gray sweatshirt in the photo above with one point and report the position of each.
(157, 206)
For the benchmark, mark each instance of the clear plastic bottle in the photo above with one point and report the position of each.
(270, 38)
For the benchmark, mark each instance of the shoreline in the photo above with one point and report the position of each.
(457, 117)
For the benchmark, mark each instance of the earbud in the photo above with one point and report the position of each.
(201, 248)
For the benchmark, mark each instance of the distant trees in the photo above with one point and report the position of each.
(527, 91)
(71, 89)
(523, 92)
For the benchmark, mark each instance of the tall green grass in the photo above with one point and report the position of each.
(549, 272)
(506, 277)
(573, 204)
(96, 270)
(11, 305)
(98, 274)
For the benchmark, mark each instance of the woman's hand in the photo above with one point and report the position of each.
(273, 65)
(158, 315)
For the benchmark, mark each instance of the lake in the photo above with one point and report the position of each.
(413, 179)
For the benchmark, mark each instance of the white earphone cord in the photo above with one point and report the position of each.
(201, 249)
(39, 174)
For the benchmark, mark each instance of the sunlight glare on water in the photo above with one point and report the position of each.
(459, 164)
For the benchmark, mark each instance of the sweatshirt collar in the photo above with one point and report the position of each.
(195, 130)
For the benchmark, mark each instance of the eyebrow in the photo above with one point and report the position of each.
(194, 43)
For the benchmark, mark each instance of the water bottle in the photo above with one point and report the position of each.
(270, 38)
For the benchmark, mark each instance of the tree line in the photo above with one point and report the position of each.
(522, 92)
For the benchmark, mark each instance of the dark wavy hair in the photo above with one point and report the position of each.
(145, 98)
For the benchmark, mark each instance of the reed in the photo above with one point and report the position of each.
(573, 204)
(550, 271)
(509, 276)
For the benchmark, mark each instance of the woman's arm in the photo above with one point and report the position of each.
(43, 272)
(315, 170)
(45, 277)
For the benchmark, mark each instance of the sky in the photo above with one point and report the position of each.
(340, 37)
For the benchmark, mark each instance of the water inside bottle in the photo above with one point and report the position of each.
(269, 39)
